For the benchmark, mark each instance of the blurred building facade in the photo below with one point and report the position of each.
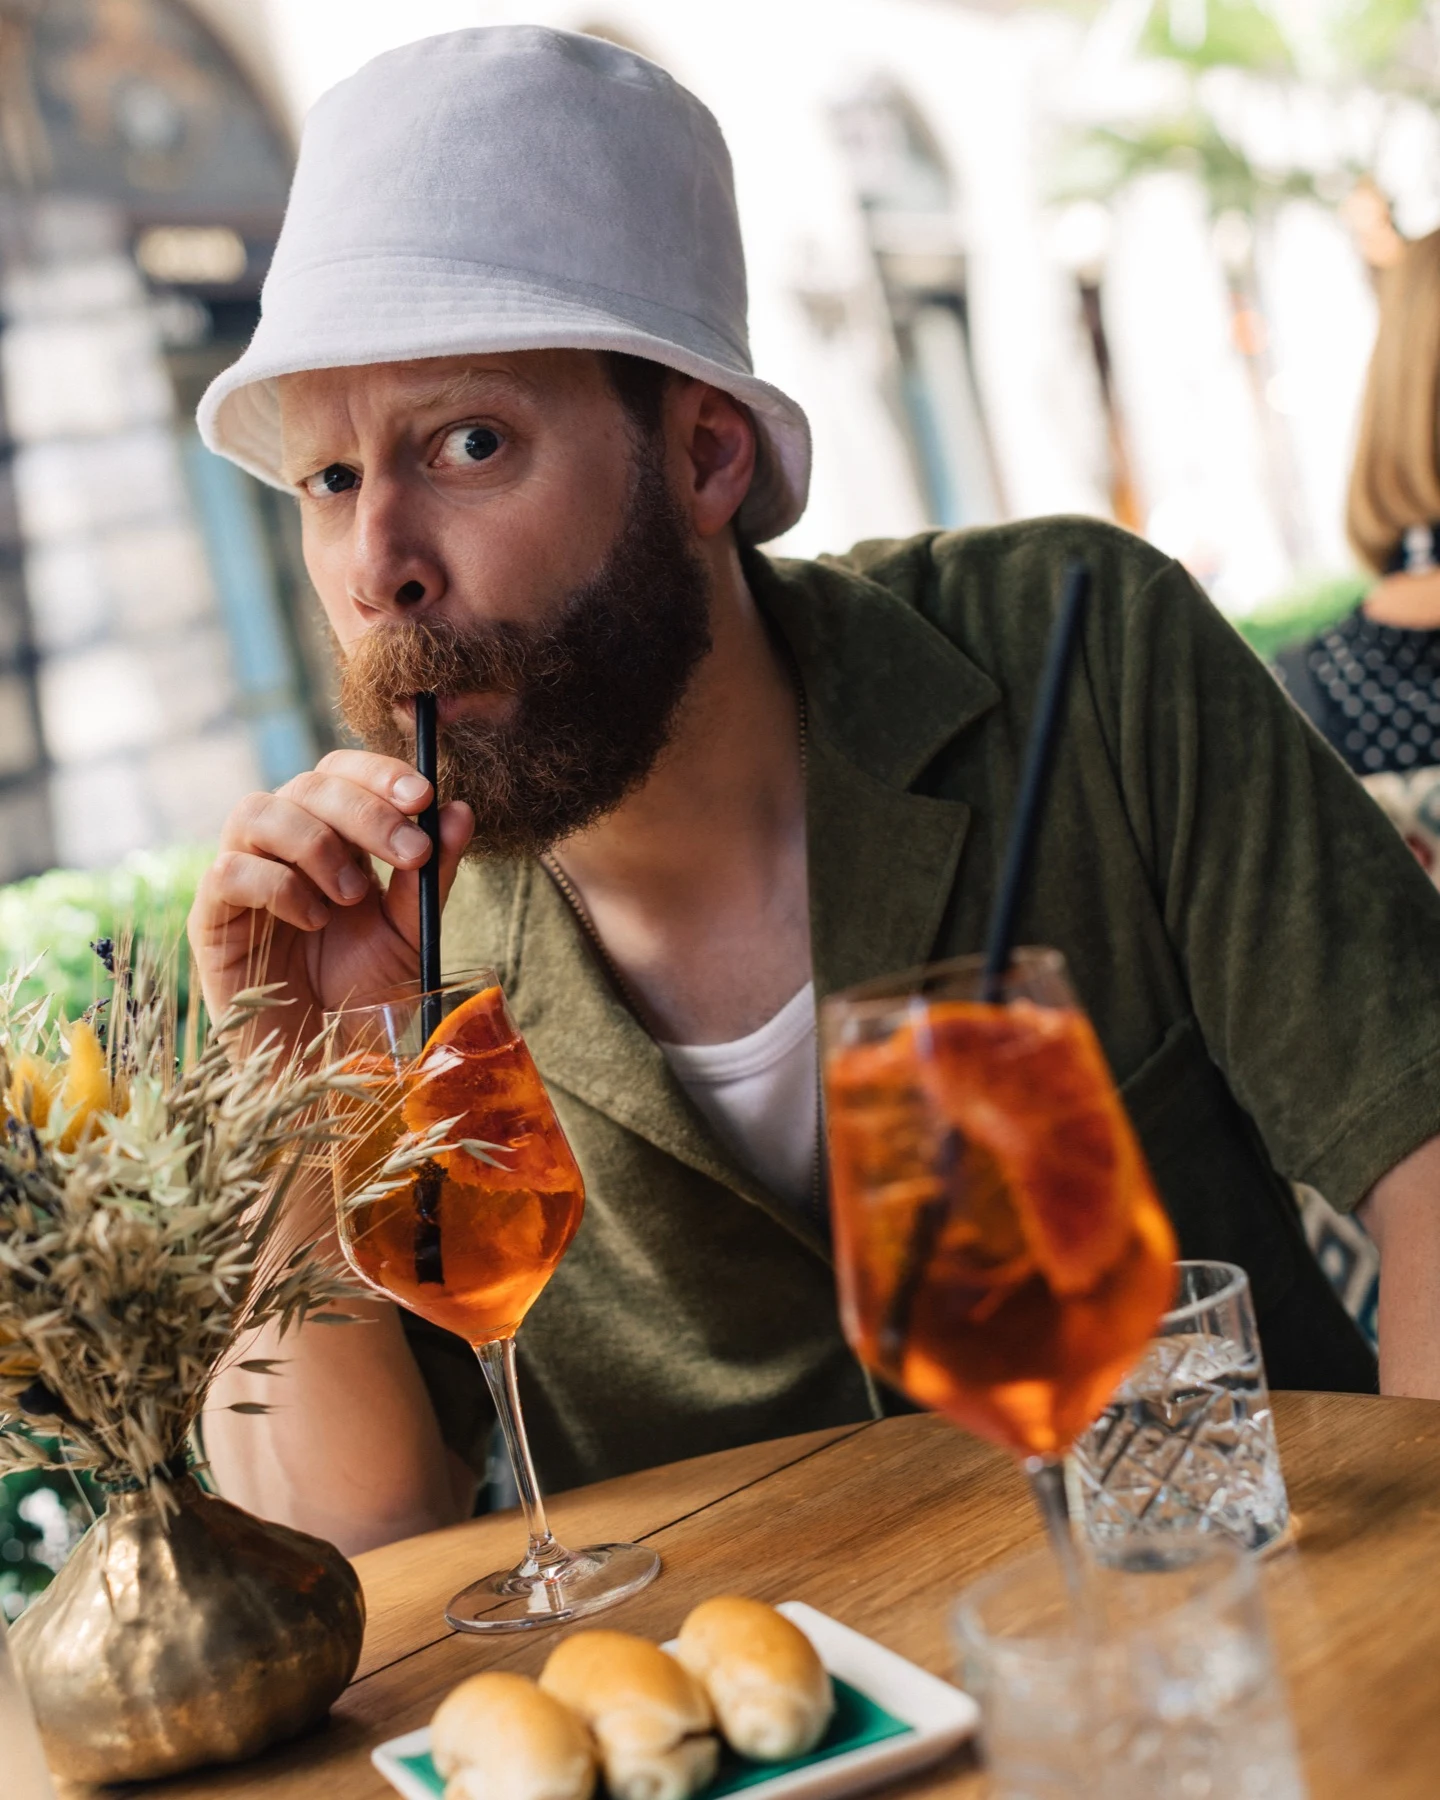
(153, 662)
(970, 346)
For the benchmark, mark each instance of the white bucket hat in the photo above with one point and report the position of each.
(510, 188)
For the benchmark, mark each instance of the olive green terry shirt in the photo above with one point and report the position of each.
(1258, 950)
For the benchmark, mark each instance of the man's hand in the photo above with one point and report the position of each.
(292, 898)
(1402, 1213)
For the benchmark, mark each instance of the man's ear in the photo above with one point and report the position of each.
(716, 437)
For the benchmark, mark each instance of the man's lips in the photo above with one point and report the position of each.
(491, 705)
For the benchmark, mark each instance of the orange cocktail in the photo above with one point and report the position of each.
(457, 1195)
(1003, 1256)
(472, 1238)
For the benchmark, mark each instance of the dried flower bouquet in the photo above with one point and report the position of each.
(139, 1197)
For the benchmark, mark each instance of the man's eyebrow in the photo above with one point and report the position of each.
(460, 389)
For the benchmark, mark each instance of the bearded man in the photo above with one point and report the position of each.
(502, 365)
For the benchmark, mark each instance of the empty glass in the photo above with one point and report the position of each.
(1188, 1442)
(1162, 1686)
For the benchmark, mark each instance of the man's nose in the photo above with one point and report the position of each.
(393, 569)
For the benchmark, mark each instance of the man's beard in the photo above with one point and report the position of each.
(596, 692)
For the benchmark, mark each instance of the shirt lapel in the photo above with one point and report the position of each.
(885, 693)
(882, 864)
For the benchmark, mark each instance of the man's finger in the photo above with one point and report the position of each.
(275, 826)
(363, 820)
(402, 897)
(237, 883)
(387, 777)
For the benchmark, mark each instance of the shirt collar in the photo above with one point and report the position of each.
(884, 686)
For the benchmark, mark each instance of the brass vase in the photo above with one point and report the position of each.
(161, 1646)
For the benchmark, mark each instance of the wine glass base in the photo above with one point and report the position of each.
(526, 1599)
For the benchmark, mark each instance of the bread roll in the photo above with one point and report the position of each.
(769, 1689)
(497, 1737)
(650, 1718)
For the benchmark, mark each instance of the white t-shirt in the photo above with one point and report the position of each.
(759, 1094)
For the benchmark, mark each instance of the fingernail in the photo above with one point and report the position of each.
(318, 915)
(408, 842)
(351, 883)
(410, 790)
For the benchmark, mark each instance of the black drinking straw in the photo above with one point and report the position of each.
(1035, 777)
(1046, 1473)
(429, 1262)
(1019, 850)
(426, 759)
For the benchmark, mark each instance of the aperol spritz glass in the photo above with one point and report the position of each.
(468, 1236)
(1002, 1255)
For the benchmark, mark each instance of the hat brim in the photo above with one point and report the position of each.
(469, 313)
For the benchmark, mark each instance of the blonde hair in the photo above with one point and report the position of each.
(1395, 481)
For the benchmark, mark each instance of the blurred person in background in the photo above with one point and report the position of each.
(1371, 684)
(688, 788)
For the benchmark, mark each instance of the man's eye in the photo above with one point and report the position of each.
(336, 479)
(468, 444)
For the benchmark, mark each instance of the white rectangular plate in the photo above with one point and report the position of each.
(940, 1717)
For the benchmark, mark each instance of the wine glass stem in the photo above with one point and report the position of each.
(1047, 1484)
(498, 1362)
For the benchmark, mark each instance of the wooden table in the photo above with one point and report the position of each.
(881, 1525)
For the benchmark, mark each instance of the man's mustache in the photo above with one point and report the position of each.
(391, 663)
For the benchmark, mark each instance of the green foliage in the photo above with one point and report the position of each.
(53, 919)
(1341, 48)
(1370, 36)
(1301, 613)
(1107, 158)
(1233, 34)
(43, 1515)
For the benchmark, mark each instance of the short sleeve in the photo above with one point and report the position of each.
(1308, 934)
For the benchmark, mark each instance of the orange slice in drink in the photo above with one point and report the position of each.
(452, 1077)
(475, 1070)
(475, 1026)
(1030, 1086)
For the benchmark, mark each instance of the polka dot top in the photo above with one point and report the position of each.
(1373, 691)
